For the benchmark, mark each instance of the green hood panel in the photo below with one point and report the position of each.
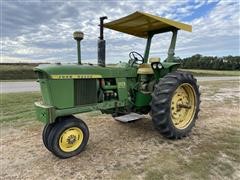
(91, 71)
(73, 71)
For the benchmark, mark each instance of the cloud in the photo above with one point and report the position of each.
(42, 30)
(216, 33)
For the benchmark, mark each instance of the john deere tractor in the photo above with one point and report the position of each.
(127, 90)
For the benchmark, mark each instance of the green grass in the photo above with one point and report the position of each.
(200, 72)
(17, 72)
(18, 106)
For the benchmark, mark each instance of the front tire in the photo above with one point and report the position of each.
(175, 104)
(68, 137)
(45, 134)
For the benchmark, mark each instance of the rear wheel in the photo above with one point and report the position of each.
(175, 104)
(68, 137)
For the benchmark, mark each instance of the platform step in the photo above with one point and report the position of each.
(129, 117)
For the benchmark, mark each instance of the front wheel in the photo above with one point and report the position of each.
(45, 134)
(175, 104)
(68, 137)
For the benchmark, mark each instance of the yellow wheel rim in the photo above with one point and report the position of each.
(183, 106)
(71, 139)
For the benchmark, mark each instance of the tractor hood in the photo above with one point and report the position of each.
(55, 71)
(73, 71)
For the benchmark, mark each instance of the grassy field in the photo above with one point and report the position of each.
(127, 151)
(17, 72)
(18, 106)
(25, 71)
(200, 72)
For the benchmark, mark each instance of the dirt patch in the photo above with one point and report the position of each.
(135, 150)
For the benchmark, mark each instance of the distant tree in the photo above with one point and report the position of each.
(198, 61)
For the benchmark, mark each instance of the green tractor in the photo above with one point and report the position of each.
(127, 90)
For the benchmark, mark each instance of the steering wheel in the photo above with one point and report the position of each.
(136, 58)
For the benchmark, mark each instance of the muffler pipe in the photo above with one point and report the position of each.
(101, 45)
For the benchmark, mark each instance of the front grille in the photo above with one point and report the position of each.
(85, 91)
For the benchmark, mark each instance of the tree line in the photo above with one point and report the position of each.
(211, 62)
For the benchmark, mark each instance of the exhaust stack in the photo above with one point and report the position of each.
(101, 44)
(78, 36)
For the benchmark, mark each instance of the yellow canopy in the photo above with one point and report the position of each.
(139, 24)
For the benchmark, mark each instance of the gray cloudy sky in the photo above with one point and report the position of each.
(41, 30)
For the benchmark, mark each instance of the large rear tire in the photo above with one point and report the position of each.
(175, 104)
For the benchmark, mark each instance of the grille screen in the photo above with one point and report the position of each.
(85, 91)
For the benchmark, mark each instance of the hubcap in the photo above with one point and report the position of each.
(71, 139)
(183, 106)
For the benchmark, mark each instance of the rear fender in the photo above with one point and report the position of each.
(171, 66)
(167, 68)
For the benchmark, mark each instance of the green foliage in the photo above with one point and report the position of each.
(209, 62)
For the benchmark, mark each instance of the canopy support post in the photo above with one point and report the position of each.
(147, 49)
(171, 50)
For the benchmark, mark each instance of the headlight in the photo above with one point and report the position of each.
(159, 66)
(155, 66)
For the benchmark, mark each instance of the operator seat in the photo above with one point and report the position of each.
(146, 68)
(154, 60)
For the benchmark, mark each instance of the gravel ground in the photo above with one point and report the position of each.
(135, 150)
